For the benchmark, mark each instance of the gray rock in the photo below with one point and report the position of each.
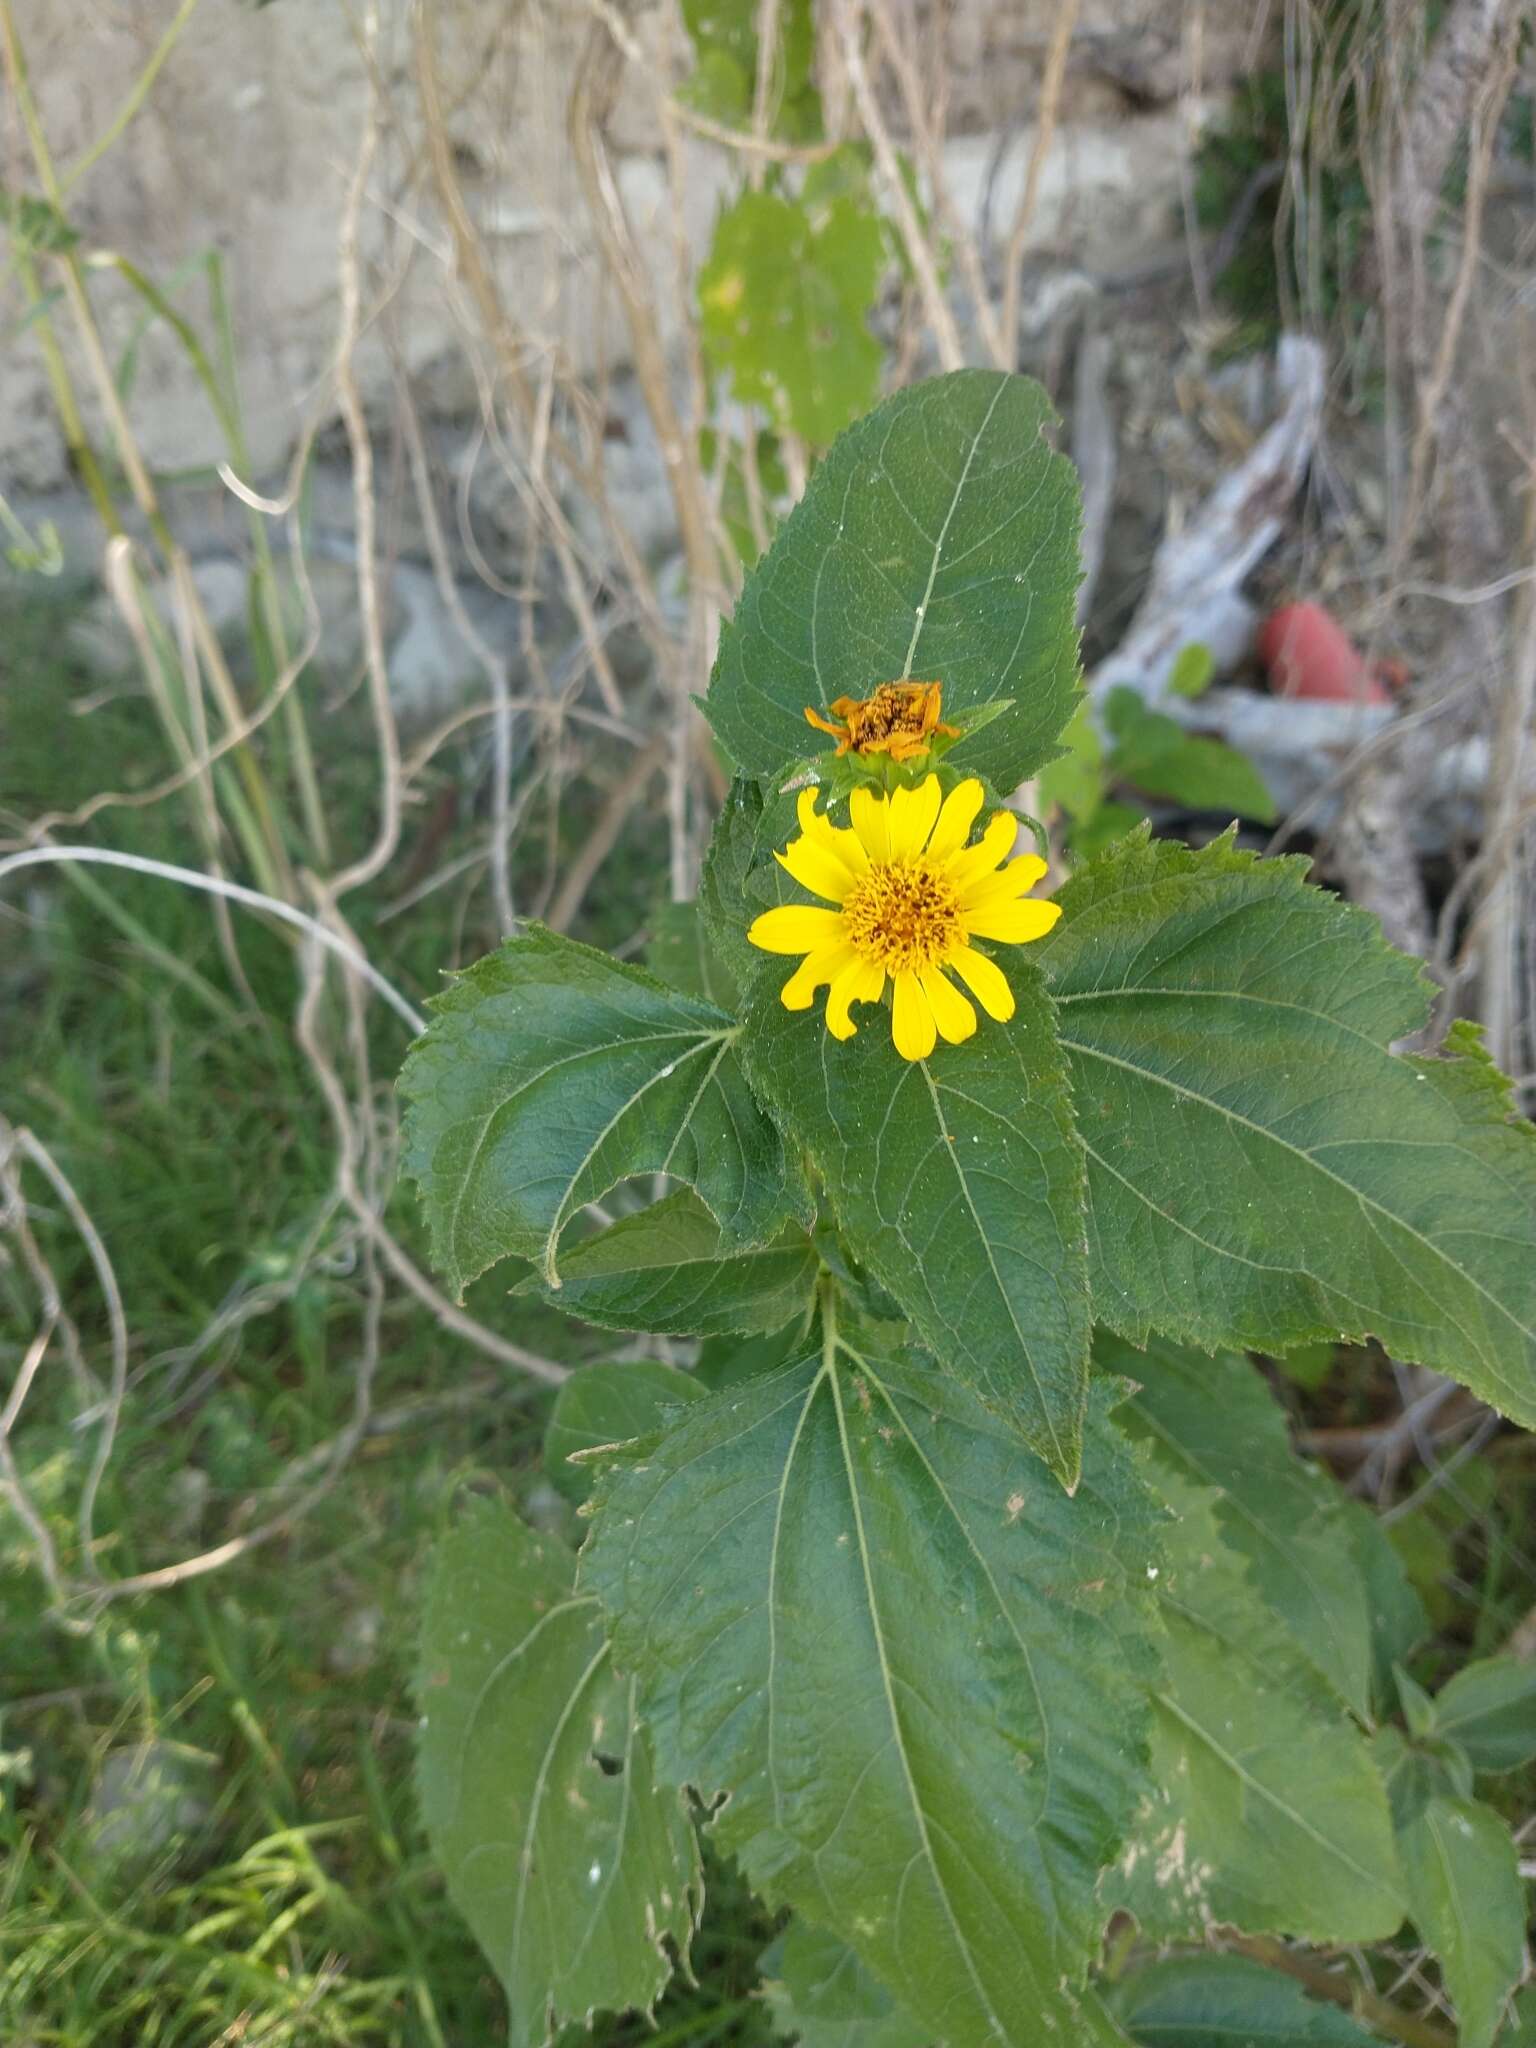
(144, 1798)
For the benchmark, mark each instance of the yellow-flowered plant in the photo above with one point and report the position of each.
(912, 896)
(966, 1624)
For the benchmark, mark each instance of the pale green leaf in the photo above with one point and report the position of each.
(1522, 2033)
(938, 539)
(957, 1180)
(1490, 1708)
(665, 1269)
(1466, 1899)
(1215, 1420)
(1217, 2001)
(1155, 754)
(784, 303)
(1193, 671)
(1267, 1809)
(859, 1608)
(724, 81)
(1075, 779)
(572, 1868)
(1262, 1169)
(550, 1072)
(609, 1404)
(821, 1995)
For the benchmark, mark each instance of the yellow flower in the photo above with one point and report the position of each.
(910, 896)
(900, 719)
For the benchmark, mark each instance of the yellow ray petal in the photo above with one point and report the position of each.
(862, 981)
(871, 822)
(985, 980)
(842, 844)
(1009, 881)
(816, 869)
(795, 928)
(912, 816)
(956, 819)
(912, 1025)
(824, 965)
(995, 844)
(1013, 923)
(951, 1012)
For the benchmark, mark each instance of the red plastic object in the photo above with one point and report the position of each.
(1308, 654)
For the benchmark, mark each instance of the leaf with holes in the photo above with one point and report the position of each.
(958, 1181)
(1267, 1810)
(857, 1606)
(573, 1869)
(938, 539)
(665, 1269)
(1215, 1421)
(1467, 1901)
(549, 1073)
(1262, 1169)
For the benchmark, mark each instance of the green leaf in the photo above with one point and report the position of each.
(784, 303)
(1414, 1772)
(1155, 754)
(727, 1361)
(1522, 2032)
(1490, 1708)
(1106, 823)
(536, 1785)
(609, 1404)
(957, 1181)
(1219, 2001)
(1267, 1810)
(1214, 1420)
(1398, 1622)
(664, 1269)
(855, 1606)
(1262, 1170)
(821, 1995)
(938, 539)
(1193, 671)
(549, 1073)
(740, 876)
(1075, 779)
(1466, 1900)
(724, 37)
(1308, 1365)
(680, 955)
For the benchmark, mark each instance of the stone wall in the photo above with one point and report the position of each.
(250, 137)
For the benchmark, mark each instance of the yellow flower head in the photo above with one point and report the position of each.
(910, 896)
(900, 719)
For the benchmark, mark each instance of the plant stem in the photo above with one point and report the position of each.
(135, 99)
(1323, 1981)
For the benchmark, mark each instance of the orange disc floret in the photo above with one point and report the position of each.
(900, 719)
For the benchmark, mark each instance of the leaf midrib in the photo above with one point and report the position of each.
(1059, 1460)
(919, 1818)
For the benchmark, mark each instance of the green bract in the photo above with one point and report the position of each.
(958, 1626)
